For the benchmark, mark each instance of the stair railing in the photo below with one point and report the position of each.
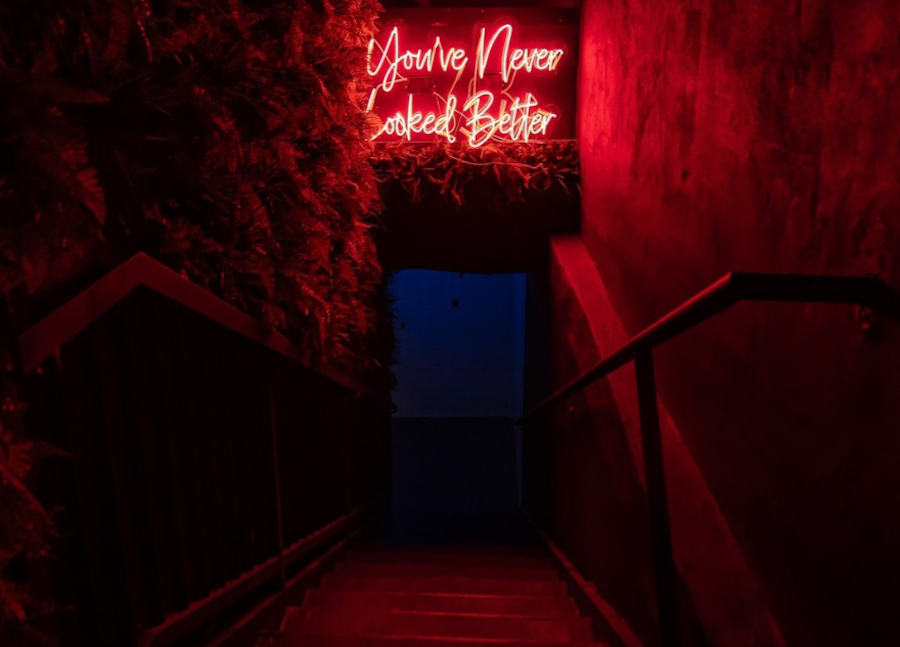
(210, 454)
(731, 289)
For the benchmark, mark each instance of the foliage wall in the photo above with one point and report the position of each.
(517, 172)
(223, 137)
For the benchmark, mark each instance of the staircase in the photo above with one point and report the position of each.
(437, 597)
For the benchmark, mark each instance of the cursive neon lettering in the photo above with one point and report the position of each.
(415, 122)
(485, 114)
(518, 122)
(513, 59)
(391, 61)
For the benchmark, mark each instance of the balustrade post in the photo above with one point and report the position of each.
(661, 533)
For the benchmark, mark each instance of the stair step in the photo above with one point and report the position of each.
(508, 605)
(457, 585)
(370, 569)
(512, 561)
(483, 550)
(416, 624)
(360, 641)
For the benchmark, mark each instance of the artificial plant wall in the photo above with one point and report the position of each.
(223, 137)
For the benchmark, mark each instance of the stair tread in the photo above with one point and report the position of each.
(418, 624)
(542, 607)
(383, 557)
(449, 570)
(461, 585)
(437, 596)
(366, 641)
(456, 549)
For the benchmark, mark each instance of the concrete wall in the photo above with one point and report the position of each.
(584, 482)
(762, 136)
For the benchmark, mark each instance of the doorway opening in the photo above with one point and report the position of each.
(460, 369)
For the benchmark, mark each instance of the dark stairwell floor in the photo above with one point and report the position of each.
(455, 564)
(439, 581)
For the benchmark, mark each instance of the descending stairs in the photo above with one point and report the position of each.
(437, 597)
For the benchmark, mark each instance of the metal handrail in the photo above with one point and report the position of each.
(728, 291)
(44, 338)
(731, 289)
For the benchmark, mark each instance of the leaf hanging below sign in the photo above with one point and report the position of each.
(520, 171)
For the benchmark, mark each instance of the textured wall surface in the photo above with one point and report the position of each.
(763, 136)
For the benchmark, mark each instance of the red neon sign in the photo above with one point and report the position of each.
(440, 89)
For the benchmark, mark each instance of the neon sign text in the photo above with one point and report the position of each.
(517, 59)
(409, 61)
(414, 122)
(480, 114)
(518, 123)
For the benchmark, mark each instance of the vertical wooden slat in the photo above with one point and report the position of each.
(246, 423)
(195, 457)
(294, 431)
(109, 344)
(276, 476)
(262, 502)
(106, 614)
(145, 422)
(168, 377)
(266, 462)
(210, 454)
(225, 413)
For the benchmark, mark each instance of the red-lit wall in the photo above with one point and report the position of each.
(763, 136)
